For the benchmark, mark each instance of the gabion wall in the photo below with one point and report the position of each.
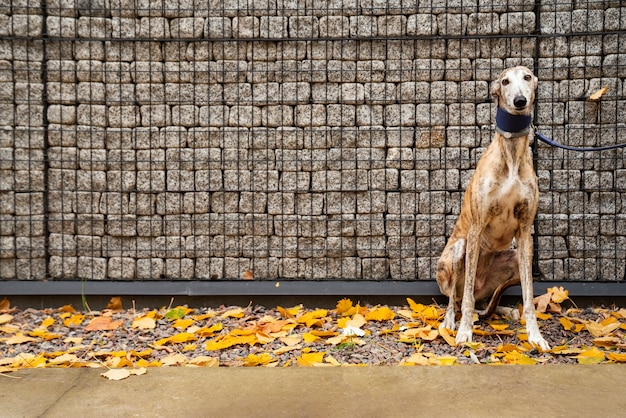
(294, 139)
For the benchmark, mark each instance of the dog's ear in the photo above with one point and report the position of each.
(495, 88)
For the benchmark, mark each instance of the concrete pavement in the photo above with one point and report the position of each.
(459, 391)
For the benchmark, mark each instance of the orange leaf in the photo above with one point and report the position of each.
(5, 305)
(115, 304)
(596, 95)
(103, 323)
(617, 357)
(248, 275)
(67, 309)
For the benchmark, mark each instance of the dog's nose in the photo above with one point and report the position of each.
(520, 102)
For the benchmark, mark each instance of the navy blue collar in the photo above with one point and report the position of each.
(512, 126)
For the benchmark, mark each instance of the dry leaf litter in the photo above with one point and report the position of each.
(125, 342)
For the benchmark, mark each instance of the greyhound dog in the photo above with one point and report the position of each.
(499, 205)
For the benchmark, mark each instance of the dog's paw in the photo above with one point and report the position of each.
(464, 334)
(538, 342)
(448, 322)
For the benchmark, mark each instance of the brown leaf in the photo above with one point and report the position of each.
(115, 304)
(542, 302)
(248, 275)
(103, 323)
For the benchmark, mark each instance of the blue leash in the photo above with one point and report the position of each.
(553, 143)
(513, 126)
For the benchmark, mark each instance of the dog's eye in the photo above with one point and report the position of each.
(527, 77)
(505, 81)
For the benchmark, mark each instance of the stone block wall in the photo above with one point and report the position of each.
(300, 139)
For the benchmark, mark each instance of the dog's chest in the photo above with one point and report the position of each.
(509, 203)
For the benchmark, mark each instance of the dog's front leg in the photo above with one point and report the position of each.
(525, 248)
(472, 248)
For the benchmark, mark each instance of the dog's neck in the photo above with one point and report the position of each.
(512, 126)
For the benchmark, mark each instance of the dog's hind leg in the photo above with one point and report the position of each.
(496, 274)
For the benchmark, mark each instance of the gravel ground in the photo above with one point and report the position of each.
(278, 340)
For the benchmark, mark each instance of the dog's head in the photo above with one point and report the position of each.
(514, 90)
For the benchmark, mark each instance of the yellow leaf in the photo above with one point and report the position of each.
(515, 357)
(74, 320)
(344, 307)
(205, 361)
(73, 340)
(380, 314)
(446, 360)
(617, 357)
(43, 333)
(357, 321)
(210, 331)
(543, 316)
(599, 330)
(620, 313)
(290, 312)
(182, 324)
(565, 350)
(258, 359)
(234, 313)
(590, 356)
(309, 338)
(474, 345)
(310, 359)
(313, 318)
(291, 340)
(64, 359)
(19, 338)
(606, 342)
(567, 324)
(558, 294)
(174, 359)
(46, 322)
(182, 337)
(5, 318)
(596, 95)
(144, 322)
(116, 374)
(424, 333)
(498, 326)
(445, 333)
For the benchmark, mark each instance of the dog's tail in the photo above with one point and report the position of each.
(495, 298)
